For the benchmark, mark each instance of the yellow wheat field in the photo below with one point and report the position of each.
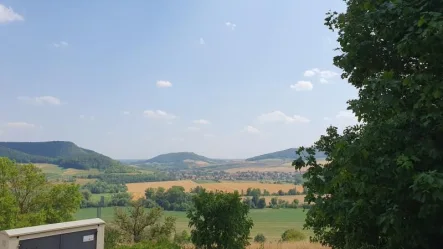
(138, 189)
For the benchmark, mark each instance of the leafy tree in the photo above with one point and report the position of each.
(174, 198)
(382, 185)
(27, 199)
(260, 238)
(137, 221)
(266, 193)
(261, 203)
(274, 202)
(293, 235)
(120, 199)
(219, 220)
(292, 191)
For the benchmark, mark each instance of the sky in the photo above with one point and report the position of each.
(134, 79)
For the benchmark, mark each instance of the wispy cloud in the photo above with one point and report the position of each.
(163, 84)
(158, 114)
(7, 15)
(231, 25)
(325, 74)
(61, 44)
(201, 121)
(251, 129)
(280, 117)
(41, 100)
(126, 113)
(202, 41)
(302, 86)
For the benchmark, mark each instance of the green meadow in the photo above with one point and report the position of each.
(271, 222)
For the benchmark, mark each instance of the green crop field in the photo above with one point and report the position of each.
(271, 222)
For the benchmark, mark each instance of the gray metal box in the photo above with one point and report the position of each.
(82, 234)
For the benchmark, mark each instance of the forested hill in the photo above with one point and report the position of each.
(62, 153)
(180, 159)
(288, 154)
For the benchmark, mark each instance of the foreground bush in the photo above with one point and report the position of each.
(164, 244)
(293, 235)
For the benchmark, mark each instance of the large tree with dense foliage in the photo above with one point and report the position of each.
(382, 185)
(27, 199)
(141, 224)
(219, 220)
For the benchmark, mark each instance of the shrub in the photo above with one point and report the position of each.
(163, 244)
(182, 238)
(113, 236)
(259, 238)
(293, 235)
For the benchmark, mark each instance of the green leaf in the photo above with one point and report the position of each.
(421, 21)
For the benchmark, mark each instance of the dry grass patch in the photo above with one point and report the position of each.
(83, 181)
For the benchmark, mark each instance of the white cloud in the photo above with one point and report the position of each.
(325, 74)
(326, 119)
(61, 44)
(42, 100)
(280, 117)
(251, 129)
(163, 84)
(7, 14)
(323, 81)
(328, 74)
(158, 114)
(20, 125)
(309, 73)
(126, 113)
(202, 42)
(201, 121)
(193, 128)
(208, 135)
(302, 86)
(231, 25)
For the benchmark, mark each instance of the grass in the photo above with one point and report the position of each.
(271, 222)
(53, 171)
(96, 197)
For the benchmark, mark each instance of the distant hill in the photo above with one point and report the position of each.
(288, 154)
(65, 154)
(180, 160)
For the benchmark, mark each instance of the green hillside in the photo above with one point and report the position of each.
(288, 154)
(65, 154)
(179, 160)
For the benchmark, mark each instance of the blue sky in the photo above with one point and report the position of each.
(133, 79)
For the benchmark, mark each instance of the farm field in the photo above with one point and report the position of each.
(138, 189)
(271, 222)
(53, 171)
